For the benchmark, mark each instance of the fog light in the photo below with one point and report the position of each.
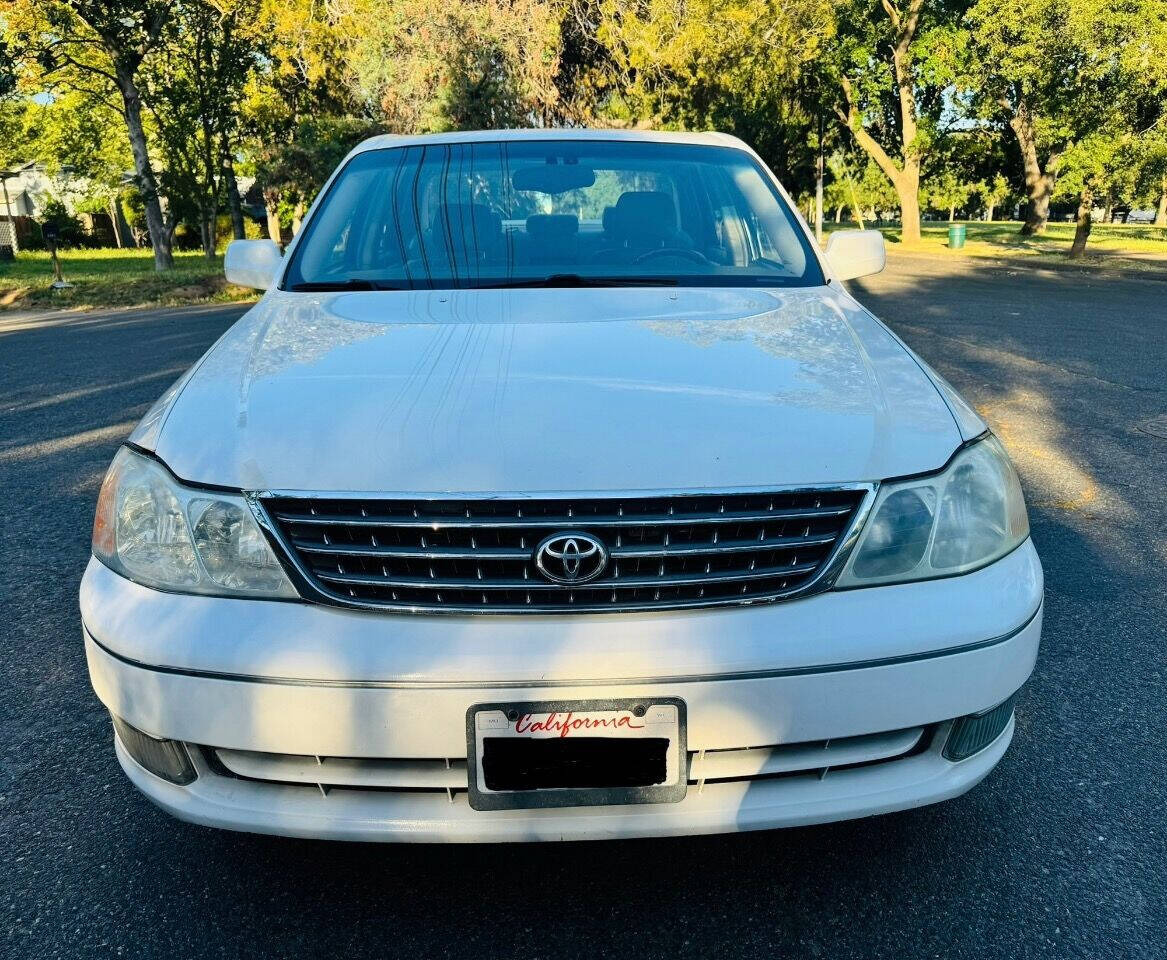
(973, 733)
(163, 758)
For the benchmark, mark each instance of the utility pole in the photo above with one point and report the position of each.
(4, 175)
(818, 187)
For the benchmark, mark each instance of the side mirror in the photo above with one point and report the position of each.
(252, 263)
(852, 253)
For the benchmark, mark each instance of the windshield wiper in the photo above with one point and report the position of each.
(576, 280)
(353, 283)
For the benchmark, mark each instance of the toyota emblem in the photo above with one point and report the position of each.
(571, 557)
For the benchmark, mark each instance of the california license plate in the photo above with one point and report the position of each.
(575, 753)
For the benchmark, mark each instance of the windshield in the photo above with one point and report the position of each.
(551, 213)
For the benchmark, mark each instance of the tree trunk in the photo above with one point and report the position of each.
(1161, 214)
(904, 174)
(144, 173)
(839, 213)
(113, 222)
(207, 224)
(271, 206)
(1083, 223)
(233, 202)
(909, 195)
(1039, 181)
(989, 212)
(906, 180)
(951, 214)
(297, 216)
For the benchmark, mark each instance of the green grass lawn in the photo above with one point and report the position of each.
(123, 278)
(1133, 244)
(113, 278)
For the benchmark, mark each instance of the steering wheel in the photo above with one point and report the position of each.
(684, 252)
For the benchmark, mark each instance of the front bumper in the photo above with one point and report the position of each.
(314, 681)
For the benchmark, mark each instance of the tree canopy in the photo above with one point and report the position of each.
(945, 105)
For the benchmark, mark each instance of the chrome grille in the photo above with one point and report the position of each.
(674, 551)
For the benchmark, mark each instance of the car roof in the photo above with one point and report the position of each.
(551, 133)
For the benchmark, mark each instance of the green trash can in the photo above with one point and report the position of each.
(956, 234)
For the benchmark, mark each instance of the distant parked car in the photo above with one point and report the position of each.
(557, 488)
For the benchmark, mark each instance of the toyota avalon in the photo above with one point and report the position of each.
(557, 488)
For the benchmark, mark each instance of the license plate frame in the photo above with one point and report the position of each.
(662, 715)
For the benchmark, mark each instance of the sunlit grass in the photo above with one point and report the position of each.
(1140, 242)
(114, 278)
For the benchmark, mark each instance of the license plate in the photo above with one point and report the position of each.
(576, 753)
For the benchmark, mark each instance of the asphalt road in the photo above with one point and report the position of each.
(1060, 853)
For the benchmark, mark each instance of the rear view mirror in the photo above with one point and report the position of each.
(252, 263)
(553, 177)
(856, 253)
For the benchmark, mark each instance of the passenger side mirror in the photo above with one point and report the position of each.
(856, 253)
(252, 263)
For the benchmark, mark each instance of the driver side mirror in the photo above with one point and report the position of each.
(856, 253)
(252, 263)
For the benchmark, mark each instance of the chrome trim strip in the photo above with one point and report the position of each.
(619, 681)
(413, 553)
(619, 493)
(523, 523)
(677, 580)
(516, 553)
(314, 591)
(728, 546)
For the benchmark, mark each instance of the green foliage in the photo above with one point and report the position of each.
(1100, 163)
(55, 213)
(193, 82)
(741, 66)
(1074, 79)
(860, 59)
(857, 181)
(418, 66)
(296, 170)
(69, 134)
(1075, 64)
(7, 70)
(947, 192)
(927, 99)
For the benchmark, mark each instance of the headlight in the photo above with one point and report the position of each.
(964, 517)
(153, 530)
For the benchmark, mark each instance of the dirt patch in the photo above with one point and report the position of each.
(13, 297)
(198, 291)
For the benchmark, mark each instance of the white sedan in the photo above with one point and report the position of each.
(557, 489)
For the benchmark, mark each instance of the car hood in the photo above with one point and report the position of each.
(537, 390)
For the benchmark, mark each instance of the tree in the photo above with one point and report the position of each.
(418, 66)
(993, 194)
(884, 66)
(742, 66)
(1149, 167)
(300, 86)
(947, 191)
(836, 197)
(194, 80)
(94, 46)
(1154, 180)
(68, 132)
(294, 172)
(1090, 169)
(1057, 70)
